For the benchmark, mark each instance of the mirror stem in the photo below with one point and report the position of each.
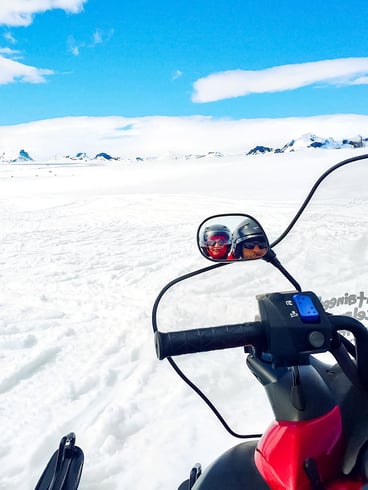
(272, 259)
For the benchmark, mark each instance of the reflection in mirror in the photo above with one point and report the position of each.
(229, 237)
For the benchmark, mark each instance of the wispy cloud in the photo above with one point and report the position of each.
(360, 81)
(13, 53)
(12, 71)
(236, 83)
(177, 74)
(21, 12)
(73, 46)
(98, 37)
(8, 36)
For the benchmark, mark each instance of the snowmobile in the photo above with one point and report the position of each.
(307, 347)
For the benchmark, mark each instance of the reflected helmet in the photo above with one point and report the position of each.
(215, 232)
(248, 228)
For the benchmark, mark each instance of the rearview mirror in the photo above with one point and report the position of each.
(232, 237)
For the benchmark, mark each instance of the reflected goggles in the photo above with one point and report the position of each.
(250, 244)
(220, 242)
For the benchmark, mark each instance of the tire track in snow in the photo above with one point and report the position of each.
(28, 370)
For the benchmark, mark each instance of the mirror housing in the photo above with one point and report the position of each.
(232, 237)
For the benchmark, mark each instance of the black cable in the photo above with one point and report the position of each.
(173, 364)
(209, 403)
(175, 281)
(312, 191)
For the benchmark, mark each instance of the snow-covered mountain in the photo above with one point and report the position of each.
(305, 141)
(22, 157)
(310, 140)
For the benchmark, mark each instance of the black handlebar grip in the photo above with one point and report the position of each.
(206, 339)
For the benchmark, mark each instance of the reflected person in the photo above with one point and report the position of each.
(249, 241)
(216, 241)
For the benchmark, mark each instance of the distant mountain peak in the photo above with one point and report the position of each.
(310, 140)
(104, 156)
(23, 156)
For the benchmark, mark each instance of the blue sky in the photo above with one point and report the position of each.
(225, 58)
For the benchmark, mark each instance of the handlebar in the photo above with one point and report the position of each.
(207, 339)
(255, 334)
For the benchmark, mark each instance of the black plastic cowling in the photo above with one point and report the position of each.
(341, 322)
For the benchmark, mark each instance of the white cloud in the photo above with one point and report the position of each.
(235, 83)
(74, 50)
(98, 37)
(11, 71)
(360, 81)
(9, 52)
(177, 74)
(9, 37)
(21, 12)
(73, 46)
